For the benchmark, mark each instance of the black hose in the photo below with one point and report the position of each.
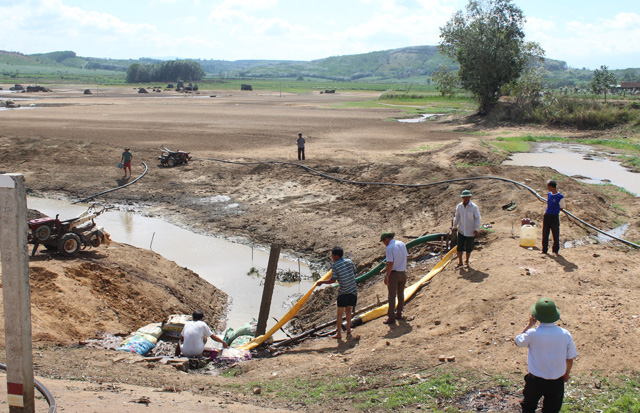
(496, 178)
(146, 168)
(43, 390)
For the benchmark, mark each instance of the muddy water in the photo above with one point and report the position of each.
(579, 161)
(223, 263)
(422, 118)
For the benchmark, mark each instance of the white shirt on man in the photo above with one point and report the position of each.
(550, 347)
(396, 253)
(467, 219)
(195, 334)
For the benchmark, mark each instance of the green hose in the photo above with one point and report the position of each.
(378, 268)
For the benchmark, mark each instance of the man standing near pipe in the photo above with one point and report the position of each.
(467, 222)
(396, 276)
(300, 142)
(551, 219)
(343, 271)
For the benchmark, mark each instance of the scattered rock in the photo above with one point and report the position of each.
(257, 390)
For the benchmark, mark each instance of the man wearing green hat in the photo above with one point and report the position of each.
(550, 358)
(467, 221)
(396, 275)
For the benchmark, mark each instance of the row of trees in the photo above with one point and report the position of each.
(170, 71)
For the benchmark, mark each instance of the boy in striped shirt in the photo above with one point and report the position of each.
(344, 272)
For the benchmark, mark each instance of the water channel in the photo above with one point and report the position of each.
(221, 262)
(581, 162)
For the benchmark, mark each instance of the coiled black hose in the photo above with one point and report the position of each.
(495, 178)
(43, 390)
(146, 168)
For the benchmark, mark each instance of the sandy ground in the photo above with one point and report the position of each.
(68, 146)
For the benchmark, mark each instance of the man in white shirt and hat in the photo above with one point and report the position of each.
(550, 358)
(467, 222)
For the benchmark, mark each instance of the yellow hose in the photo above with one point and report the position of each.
(368, 316)
(411, 290)
(284, 320)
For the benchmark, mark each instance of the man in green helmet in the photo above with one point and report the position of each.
(550, 358)
(467, 222)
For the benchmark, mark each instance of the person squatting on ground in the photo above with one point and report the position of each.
(126, 162)
(300, 141)
(396, 275)
(550, 358)
(343, 270)
(194, 336)
(467, 221)
(551, 220)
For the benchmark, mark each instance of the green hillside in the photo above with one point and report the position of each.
(408, 64)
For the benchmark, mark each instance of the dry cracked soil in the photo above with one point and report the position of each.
(67, 146)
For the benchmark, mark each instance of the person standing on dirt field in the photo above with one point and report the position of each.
(551, 219)
(300, 141)
(127, 156)
(396, 277)
(194, 336)
(467, 222)
(550, 358)
(343, 271)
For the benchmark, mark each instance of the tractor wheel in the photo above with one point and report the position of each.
(42, 233)
(95, 242)
(69, 244)
(171, 162)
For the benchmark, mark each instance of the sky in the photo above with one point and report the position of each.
(583, 33)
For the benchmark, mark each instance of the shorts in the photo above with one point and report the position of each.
(347, 300)
(127, 165)
(465, 243)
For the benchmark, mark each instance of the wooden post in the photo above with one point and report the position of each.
(267, 293)
(16, 293)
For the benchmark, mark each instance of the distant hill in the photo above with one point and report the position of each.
(415, 64)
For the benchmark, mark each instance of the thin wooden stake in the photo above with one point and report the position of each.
(267, 293)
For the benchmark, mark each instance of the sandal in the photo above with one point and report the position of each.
(389, 321)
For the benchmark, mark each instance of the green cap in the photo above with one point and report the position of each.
(545, 311)
(464, 193)
(387, 235)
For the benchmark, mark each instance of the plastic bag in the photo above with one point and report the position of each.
(234, 354)
(153, 329)
(248, 329)
(120, 165)
(137, 344)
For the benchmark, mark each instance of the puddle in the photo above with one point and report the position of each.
(223, 263)
(422, 118)
(600, 238)
(579, 161)
(20, 108)
(616, 232)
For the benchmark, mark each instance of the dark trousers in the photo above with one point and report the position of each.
(551, 222)
(301, 154)
(536, 387)
(397, 281)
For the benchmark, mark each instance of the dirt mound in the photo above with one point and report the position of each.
(113, 290)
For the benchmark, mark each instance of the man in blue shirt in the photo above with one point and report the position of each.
(343, 271)
(551, 220)
(300, 142)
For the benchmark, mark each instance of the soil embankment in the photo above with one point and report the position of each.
(71, 149)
